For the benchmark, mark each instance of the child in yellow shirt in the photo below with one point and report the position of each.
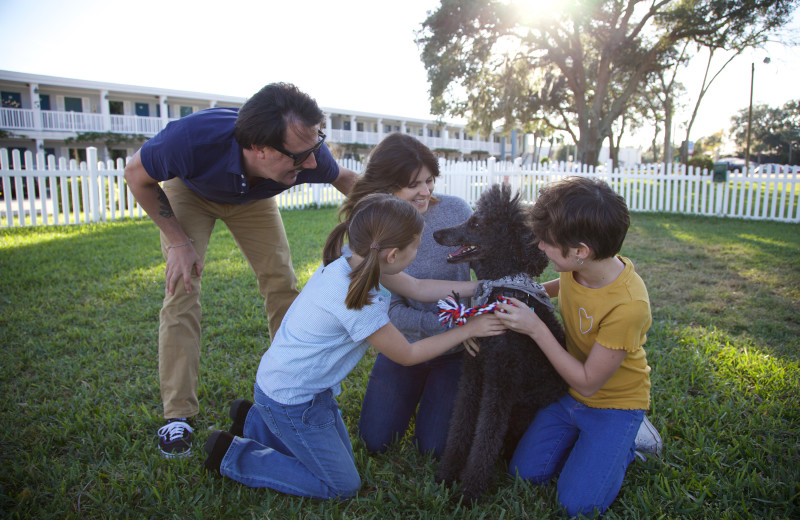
(587, 437)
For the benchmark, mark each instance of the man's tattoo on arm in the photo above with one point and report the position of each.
(166, 209)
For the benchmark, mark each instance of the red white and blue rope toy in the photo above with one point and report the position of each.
(452, 312)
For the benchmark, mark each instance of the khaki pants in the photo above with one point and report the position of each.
(258, 230)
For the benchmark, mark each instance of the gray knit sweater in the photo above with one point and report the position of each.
(419, 320)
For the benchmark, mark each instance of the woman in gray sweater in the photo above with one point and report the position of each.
(404, 167)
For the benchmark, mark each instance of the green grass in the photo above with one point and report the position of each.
(78, 375)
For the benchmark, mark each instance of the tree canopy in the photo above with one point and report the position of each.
(575, 66)
(773, 131)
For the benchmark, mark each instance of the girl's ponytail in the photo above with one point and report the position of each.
(363, 279)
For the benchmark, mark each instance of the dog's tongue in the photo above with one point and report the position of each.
(460, 250)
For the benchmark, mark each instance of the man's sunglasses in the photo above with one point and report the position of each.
(299, 158)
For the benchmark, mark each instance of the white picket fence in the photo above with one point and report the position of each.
(50, 193)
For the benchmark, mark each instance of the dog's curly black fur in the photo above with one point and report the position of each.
(510, 379)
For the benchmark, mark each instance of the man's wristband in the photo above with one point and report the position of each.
(181, 245)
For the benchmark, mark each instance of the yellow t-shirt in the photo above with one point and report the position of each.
(616, 316)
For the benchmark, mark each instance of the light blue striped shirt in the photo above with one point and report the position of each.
(320, 340)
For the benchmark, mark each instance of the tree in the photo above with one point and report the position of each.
(773, 131)
(574, 67)
(708, 145)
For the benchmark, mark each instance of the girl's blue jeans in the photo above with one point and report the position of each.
(589, 449)
(299, 449)
(396, 393)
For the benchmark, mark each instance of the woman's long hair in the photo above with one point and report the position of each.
(379, 221)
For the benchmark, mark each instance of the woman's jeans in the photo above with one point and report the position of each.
(299, 449)
(396, 392)
(589, 448)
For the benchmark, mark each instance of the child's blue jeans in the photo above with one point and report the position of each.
(588, 448)
(299, 449)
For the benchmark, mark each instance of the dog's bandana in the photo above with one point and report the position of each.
(521, 282)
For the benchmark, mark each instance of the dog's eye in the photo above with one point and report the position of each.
(473, 223)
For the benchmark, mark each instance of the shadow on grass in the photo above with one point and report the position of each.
(717, 273)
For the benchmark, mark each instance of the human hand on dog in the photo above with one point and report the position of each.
(482, 326)
(519, 317)
(471, 346)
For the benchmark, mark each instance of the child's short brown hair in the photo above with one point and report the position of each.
(581, 210)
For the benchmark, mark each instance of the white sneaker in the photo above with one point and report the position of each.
(648, 440)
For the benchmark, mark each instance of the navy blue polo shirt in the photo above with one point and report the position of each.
(201, 150)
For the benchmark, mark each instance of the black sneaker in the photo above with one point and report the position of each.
(216, 447)
(175, 438)
(238, 413)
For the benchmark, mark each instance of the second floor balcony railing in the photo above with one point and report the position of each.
(61, 121)
(136, 125)
(71, 121)
(29, 120)
(17, 118)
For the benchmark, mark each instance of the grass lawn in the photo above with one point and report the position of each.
(78, 374)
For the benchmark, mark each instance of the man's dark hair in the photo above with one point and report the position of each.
(264, 118)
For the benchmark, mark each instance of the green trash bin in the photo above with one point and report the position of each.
(720, 172)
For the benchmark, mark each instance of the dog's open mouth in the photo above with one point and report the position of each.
(463, 253)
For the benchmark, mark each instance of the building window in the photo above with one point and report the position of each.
(142, 109)
(44, 101)
(185, 111)
(359, 126)
(116, 108)
(345, 125)
(387, 129)
(11, 99)
(73, 104)
(79, 154)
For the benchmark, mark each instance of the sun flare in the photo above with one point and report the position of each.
(536, 8)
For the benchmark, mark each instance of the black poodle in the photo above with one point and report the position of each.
(501, 388)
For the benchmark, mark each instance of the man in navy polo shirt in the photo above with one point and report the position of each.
(226, 164)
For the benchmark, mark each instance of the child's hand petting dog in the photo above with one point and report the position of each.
(519, 317)
(484, 325)
(471, 346)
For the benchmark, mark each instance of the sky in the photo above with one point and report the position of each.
(356, 55)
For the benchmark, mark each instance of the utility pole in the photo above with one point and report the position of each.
(750, 117)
